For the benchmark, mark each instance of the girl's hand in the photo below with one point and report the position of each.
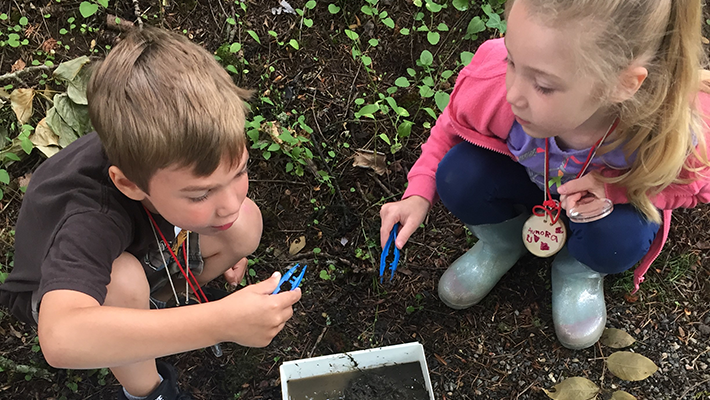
(410, 213)
(574, 191)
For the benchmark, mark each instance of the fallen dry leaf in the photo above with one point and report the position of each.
(21, 100)
(575, 388)
(49, 45)
(45, 139)
(370, 159)
(297, 245)
(616, 338)
(24, 180)
(19, 65)
(630, 366)
(621, 395)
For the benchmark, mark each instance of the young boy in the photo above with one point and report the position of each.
(170, 151)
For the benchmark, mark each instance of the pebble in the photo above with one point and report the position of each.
(704, 329)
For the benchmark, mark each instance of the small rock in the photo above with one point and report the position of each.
(675, 346)
(704, 329)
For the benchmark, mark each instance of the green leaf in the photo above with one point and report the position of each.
(461, 5)
(575, 388)
(231, 21)
(324, 275)
(367, 10)
(352, 35)
(373, 42)
(333, 9)
(104, 3)
(442, 27)
(274, 147)
(60, 128)
(402, 82)
(475, 26)
(3, 275)
(433, 38)
(308, 22)
(254, 36)
(294, 43)
(466, 57)
(404, 129)
(311, 4)
(23, 21)
(367, 111)
(68, 70)
(13, 40)
(366, 60)
(75, 115)
(385, 139)
(630, 366)
(616, 338)
(231, 68)
(389, 22)
(426, 58)
(433, 7)
(404, 31)
(235, 47)
(4, 177)
(441, 99)
(76, 88)
(88, 9)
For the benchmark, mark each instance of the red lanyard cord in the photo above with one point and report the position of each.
(192, 274)
(550, 206)
(186, 275)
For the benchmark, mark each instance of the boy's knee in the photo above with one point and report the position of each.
(129, 286)
(253, 226)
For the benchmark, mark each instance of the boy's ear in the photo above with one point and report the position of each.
(630, 82)
(125, 185)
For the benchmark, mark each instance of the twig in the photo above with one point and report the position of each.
(688, 390)
(137, 12)
(318, 340)
(382, 185)
(28, 70)
(310, 254)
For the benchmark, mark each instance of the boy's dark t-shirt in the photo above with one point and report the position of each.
(73, 224)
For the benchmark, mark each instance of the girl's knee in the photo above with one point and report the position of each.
(129, 286)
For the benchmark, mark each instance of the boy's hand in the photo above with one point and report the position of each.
(410, 213)
(259, 315)
(234, 275)
(575, 190)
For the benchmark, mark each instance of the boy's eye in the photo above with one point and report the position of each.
(200, 198)
(509, 62)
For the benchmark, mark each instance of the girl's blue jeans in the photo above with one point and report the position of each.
(480, 186)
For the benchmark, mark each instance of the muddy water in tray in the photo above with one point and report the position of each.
(393, 382)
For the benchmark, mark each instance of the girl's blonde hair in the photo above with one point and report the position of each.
(661, 123)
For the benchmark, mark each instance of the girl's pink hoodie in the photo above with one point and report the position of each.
(479, 113)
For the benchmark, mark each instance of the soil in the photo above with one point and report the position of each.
(393, 382)
(502, 348)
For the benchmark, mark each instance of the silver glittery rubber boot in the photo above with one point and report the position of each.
(578, 308)
(473, 275)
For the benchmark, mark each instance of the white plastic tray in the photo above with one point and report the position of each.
(365, 359)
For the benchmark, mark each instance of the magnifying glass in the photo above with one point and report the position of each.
(590, 208)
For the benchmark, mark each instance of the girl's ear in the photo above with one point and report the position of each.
(125, 185)
(630, 82)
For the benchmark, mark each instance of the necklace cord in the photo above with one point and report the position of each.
(550, 206)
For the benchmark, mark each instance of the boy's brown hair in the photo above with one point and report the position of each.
(159, 100)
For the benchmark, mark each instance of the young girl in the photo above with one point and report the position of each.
(581, 102)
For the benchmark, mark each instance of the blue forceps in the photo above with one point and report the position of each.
(295, 281)
(386, 252)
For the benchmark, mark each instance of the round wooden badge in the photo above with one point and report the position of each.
(543, 238)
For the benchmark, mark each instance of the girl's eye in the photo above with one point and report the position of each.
(543, 90)
(199, 199)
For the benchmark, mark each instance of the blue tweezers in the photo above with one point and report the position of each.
(295, 281)
(386, 252)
